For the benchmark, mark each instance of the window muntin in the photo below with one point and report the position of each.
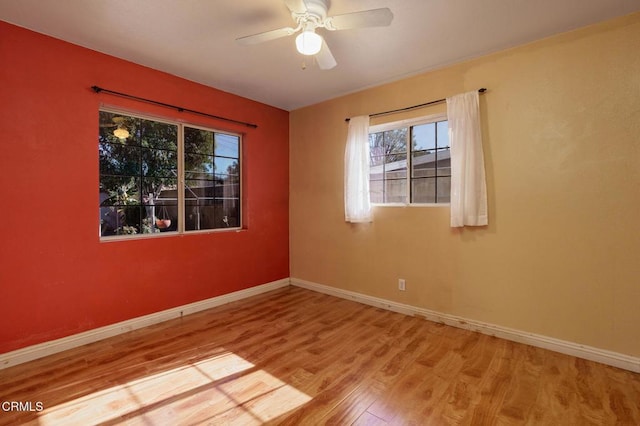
(410, 162)
(139, 175)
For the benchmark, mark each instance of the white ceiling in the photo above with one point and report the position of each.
(195, 39)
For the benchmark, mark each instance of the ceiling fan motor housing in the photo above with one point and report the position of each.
(314, 16)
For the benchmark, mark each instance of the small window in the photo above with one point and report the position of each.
(410, 163)
(143, 160)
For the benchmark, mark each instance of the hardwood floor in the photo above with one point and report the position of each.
(296, 357)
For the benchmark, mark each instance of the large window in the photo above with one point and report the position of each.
(410, 163)
(142, 162)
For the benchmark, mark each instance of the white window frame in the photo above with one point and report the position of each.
(181, 231)
(408, 123)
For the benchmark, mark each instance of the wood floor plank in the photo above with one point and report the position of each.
(296, 357)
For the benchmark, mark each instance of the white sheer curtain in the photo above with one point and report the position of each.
(357, 207)
(468, 186)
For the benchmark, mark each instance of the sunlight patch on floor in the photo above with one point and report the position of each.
(223, 387)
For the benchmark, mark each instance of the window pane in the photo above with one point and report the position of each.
(228, 190)
(395, 191)
(395, 141)
(199, 215)
(119, 190)
(133, 220)
(119, 159)
(109, 122)
(424, 136)
(423, 190)
(443, 133)
(226, 166)
(395, 166)
(376, 167)
(423, 164)
(198, 141)
(199, 201)
(227, 145)
(444, 190)
(376, 191)
(160, 163)
(198, 163)
(376, 144)
(199, 189)
(111, 219)
(376, 174)
(121, 220)
(227, 213)
(212, 214)
(119, 205)
(156, 187)
(164, 210)
(199, 176)
(443, 162)
(153, 134)
(166, 217)
(376, 160)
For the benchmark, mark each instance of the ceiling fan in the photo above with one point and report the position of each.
(312, 14)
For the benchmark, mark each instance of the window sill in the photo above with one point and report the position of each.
(138, 237)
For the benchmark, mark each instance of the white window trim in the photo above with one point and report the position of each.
(392, 125)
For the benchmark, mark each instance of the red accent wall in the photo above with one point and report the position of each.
(56, 277)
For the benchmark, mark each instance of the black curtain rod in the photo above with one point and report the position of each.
(137, 98)
(439, 101)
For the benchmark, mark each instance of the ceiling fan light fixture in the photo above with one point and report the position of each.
(312, 14)
(121, 133)
(308, 42)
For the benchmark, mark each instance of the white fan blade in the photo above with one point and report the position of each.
(266, 36)
(367, 18)
(296, 6)
(325, 58)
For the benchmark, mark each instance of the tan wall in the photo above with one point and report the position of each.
(561, 256)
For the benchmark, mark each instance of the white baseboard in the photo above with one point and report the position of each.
(581, 351)
(48, 348)
(569, 348)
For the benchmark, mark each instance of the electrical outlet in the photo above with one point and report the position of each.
(401, 284)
